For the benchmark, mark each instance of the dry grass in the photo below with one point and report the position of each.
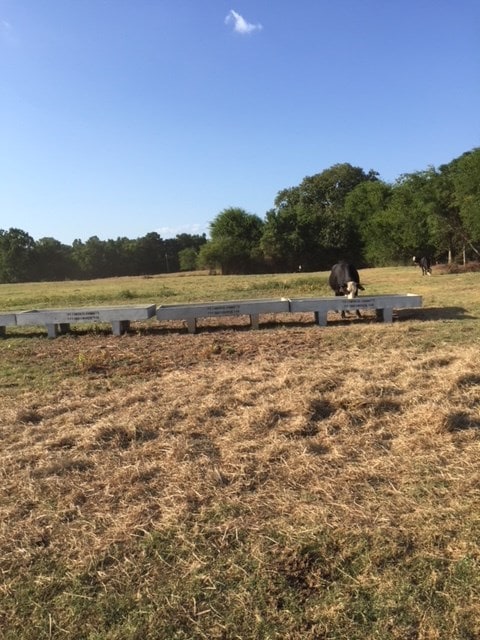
(469, 267)
(292, 482)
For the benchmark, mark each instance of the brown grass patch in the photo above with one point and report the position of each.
(469, 267)
(292, 482)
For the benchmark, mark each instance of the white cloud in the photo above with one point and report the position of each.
(172, 232)
(6, 32)
(5, 27)
(240, 25)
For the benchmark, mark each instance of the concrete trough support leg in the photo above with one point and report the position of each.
(7, 320)
(388, 314)
(384, 315)
(192, 325)
(52, 330)
(254, 320)
(119, 327)
(321, 318)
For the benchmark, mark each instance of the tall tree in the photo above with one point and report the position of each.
(96, 258)
(52, 260)
(409, 210)
(16, 256)
(188, 259)
(235, 242)
(465, 174)
(187, 240)
(283, 242)
(365, 207)
(309, 225)
(150, 255)
(445, 223)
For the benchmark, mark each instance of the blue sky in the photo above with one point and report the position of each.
(122, 117)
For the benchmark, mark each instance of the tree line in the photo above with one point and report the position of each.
(22, 259)
(345, 212)
(342, 212)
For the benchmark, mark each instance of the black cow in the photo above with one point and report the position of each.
(345, 281)
(424, 264)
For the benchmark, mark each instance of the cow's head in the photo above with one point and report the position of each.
(352, 288)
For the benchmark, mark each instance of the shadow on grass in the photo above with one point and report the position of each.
(74, 332)
(461, 421)
(434, 313)
(307, 319)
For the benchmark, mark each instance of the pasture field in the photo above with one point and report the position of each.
(293, 483)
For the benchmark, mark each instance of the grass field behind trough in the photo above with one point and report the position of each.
(294, 482)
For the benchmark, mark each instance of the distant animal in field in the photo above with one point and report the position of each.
(424, 264)
(345, 281)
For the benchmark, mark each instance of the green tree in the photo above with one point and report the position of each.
(188, 259)
(409, 210)
(187, 240)
(309, 225)
(150, 255)
(53, 260)
(119, 254)
(445, 223)
(235, 242)
(364, 207)
(16, 256)
(187, 248)
(92, 257)
(465, 175)
(283, 242)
